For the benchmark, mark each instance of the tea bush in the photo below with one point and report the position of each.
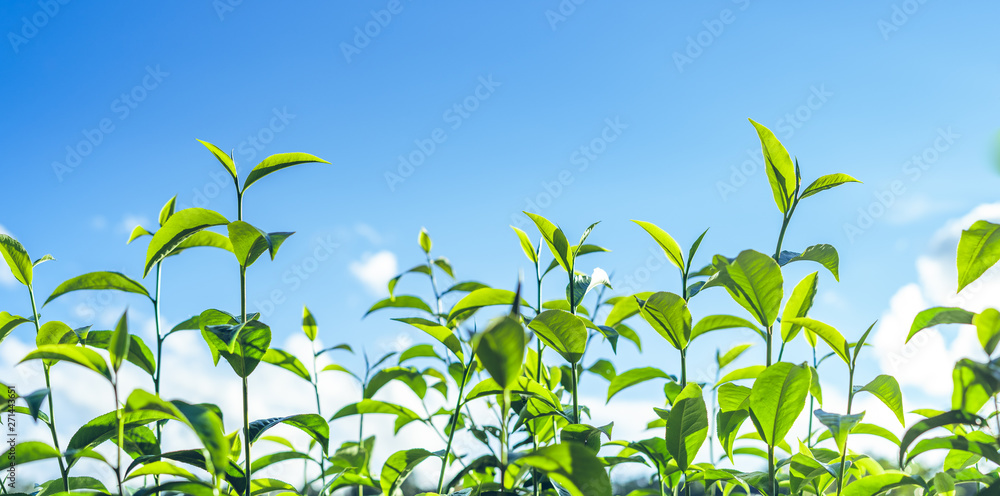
(524, 368)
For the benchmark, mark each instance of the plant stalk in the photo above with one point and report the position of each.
(452, 422)
(48, 385)
(319, 411)
(159, 360)
(843, 454)
(121, 437)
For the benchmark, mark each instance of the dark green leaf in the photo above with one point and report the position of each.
(500, 348)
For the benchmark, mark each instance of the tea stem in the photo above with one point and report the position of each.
(319, 411)
(121, 437)
(48, 385)
(843, 453)
(159, 358)
(453, 422)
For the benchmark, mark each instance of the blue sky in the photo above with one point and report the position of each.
(594, 111)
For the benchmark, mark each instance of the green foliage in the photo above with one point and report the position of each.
(481, 375)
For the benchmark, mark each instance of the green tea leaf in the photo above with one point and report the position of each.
(721, 360)
(105, 427)
(529, 250)
(777, 398)
(978, 250)
(624, 307)
(632, 377)
(669, 316)
(138, 232)
(825, 255)
(987, 325)
(839, 425)
(873, 485)
(958, 442)
(687, 426)
(179, 227)
(138, 353)
(424, 240)
(309, 324)
(779, 167)
(886, 389)
(398, 467)
(17, 259)
(422, 269)
(100, 281)
(828, 333)
(287, 361)
(482, 298)
(500, 348)
(118, 348)
(719, 322)
(573, 466)
(667, 243)
(277, 162)
(408, 375)
(754, 281)
(750, 372)
(401, 301)
(69, 353)
(556, 241)
(8, 323)
(225, 160)
(798, 305)
(953, 417)
(403, 415)
(439, 332)
(826, 182)
(310, 423)
(939, 315)
(563, 332)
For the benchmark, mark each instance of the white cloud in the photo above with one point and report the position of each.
(375, 270)
(98, 222)
(915, 207)
(926, 362)
(129, 222)
(369, 233)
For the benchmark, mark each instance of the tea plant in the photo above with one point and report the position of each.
(487, 377)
